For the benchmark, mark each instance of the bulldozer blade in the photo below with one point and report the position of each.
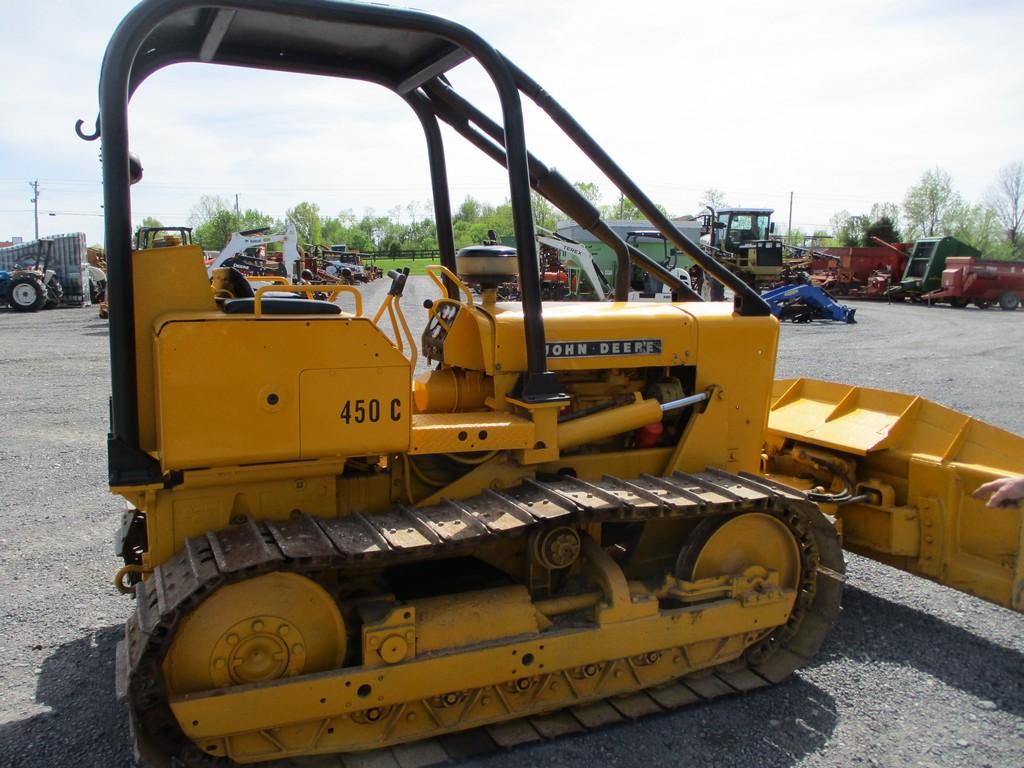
(916, 464)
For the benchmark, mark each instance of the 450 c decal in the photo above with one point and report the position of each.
(370, 411)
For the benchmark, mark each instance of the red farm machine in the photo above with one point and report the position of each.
(983, 282)
(862, 272)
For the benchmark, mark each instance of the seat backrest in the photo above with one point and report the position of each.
(280, 306)
(241, 287)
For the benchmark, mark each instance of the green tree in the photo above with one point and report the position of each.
(254, 219)
(932, 206)
(623, 209)
(470, 210)
(346, 229)
(147, 223)
(358, 240)
(306, 218)
(376, 229)
(214, 233)
(589, 190)
(212, 222)
(544, 214)
(847, 228)
(500, 219)
(820, 239)
(884, 220)
(473, 219)
(207, 207)
(1007, 201)
(880, 211)
(626, 211)
(420, 235)
(795, 237)
(980, 226)
(713, 198)
(339, 230)
(884, 228)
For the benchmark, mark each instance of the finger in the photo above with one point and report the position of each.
(1005, 504)
(1002, 498)
(990, 487)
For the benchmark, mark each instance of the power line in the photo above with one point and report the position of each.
(263, 187)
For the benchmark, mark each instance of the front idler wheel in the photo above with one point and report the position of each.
(266, 628)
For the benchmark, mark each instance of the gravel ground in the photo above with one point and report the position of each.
(912, 675)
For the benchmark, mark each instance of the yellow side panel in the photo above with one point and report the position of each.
(582, 336)
(737, 356)
(469, 341)
(354, 410)
(240, 390)
(164, 279)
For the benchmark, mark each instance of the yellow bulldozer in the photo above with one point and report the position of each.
(577, 501)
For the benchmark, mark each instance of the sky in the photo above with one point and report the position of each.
(841, 103)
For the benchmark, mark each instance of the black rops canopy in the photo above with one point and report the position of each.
(406, 51)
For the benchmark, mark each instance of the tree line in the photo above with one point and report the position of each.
(411, 227)
(931, 207)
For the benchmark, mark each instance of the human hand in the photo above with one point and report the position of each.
(1004, 492)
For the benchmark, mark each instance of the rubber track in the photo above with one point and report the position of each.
(306, 544)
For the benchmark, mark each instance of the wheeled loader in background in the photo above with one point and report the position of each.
(577, 501)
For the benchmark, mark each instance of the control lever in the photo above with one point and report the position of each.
(398, 278)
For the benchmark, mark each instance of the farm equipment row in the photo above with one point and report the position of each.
(945, 270)
(932, 269)
(248, 252)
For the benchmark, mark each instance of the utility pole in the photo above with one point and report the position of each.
(789, 227)
(236, 205)
(35, 203)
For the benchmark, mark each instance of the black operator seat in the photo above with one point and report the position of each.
(273, 303)
(278, 305)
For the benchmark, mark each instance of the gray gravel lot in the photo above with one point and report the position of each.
(913, 674)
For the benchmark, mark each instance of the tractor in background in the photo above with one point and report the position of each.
(30, 289)
(740, 238)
